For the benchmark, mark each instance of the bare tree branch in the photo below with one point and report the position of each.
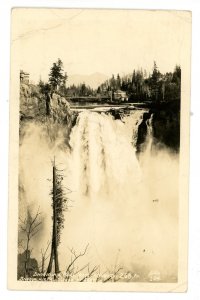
(76, 257)
(90, 273)
(30, 227)
(113, 277)
(81, 269)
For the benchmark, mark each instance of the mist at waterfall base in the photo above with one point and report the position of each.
(125, 208)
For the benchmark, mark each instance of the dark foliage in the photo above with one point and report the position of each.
(140, 87)
(61, 202)
(57, 77)
(31, 264)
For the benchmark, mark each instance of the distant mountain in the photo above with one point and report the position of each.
(93, 80)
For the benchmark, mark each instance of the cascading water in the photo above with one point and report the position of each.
(149, 138)
(120, 206)
(99, 146)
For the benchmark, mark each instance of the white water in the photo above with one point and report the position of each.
(126, 210)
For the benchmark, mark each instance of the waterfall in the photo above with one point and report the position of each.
(113, 207)
(149, 137)
(100, 145)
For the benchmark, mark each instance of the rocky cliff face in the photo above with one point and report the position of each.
(142, 133)
(166, 129)
(165, 125)
(32, 104)
(50, 113)
(35, 105)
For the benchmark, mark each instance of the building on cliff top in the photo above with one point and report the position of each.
(24, 77)
(120, 95)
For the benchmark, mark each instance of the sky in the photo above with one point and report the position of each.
(105, 41)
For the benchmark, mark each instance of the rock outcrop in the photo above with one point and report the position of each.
(32, 104)
(37, 106)
(165, 123)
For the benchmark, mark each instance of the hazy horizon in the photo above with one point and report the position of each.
(73, 78)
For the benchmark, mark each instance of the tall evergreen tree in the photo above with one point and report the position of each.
(57, 77)
(59, 205)
(154, 81)
(118, 82)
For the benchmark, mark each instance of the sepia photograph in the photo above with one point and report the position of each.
(99, 149)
